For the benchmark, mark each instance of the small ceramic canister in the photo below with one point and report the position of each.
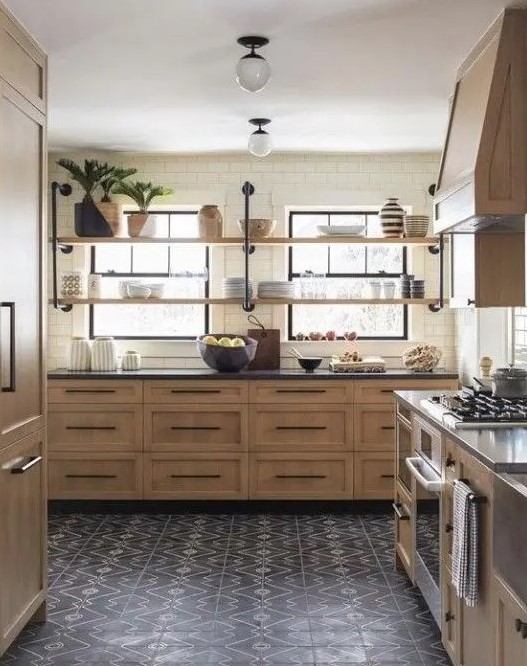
(131, 360)
(104, 355)
(79, 357)
(94, 285)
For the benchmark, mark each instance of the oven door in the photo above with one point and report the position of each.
(427, 495)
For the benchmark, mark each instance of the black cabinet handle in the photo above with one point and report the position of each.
(195, 476)
(27, 464)
(89, 391)
(300, 476)
(397, 506)
(521, 627)
(449, 616)
(386, 390)
(471, 301)
(449, 462)
(300, 390)
(90, 476)
(387, 476)
(195, 391)
(300, 427)
(11, 387)
(449, 528)
(91, 428)
(387, 427)
(195, 428)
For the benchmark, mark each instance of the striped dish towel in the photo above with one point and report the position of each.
(465, 556)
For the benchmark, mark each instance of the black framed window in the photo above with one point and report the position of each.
(343, 271)
(154, 263)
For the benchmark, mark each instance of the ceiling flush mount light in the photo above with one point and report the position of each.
(260, 144)
(253, 71)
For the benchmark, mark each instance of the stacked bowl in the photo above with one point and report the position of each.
(416, 226)
(234, 287)
(417, 289)
(406, 285)
(276, 289)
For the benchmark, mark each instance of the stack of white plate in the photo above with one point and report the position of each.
(416, 225)
(277, 289)
(234, 287)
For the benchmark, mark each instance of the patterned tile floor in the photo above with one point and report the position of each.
(227, 589)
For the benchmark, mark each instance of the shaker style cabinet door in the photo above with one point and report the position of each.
(22, 404)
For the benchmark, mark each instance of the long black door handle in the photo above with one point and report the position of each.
(300, 390)
(11, 387)
(91, 476)
(195, 476)
(91, 428)
(300, 427)
(387, 476)
(27, 464)
(195, 428)
(195, 391)
(387, 427)
(300, 476)
(89, 391)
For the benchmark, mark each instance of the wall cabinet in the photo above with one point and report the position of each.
(487, 270)
(510, 626)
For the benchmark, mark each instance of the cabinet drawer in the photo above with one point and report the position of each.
(195, 428)
(404, 530)
(196, 476)
(305, 391)
(300, 476)
(298, 428)
(380, 391)
(93, 391)
(100, 476)
(88, 428)
(192, 392)
(373, 475)
(374, 428)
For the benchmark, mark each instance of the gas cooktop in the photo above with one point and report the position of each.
(478, 410)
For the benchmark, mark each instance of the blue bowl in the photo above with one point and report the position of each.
(227, 359)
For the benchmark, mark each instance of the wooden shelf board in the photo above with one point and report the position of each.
(322, 240)
(238, 301)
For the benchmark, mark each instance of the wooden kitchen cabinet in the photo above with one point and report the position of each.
(373, 475)
(450, 617)
(305, 392)
(510, 626)
(95, 391)
(374, 428)
(22, 534)
(487, 270)
(191, 392)
(404, 511)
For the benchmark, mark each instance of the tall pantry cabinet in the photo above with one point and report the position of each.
(22, 299)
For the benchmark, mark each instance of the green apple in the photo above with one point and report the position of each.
(209, 340)
(225, 342)
(238, 342)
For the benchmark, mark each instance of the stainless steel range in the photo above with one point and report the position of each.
(472, 409)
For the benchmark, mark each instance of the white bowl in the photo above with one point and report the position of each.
(138, 291)
(123, 287)
(157, 289)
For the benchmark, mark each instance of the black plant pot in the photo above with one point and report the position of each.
(89, 221)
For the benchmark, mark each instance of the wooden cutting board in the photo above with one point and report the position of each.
(268, 352)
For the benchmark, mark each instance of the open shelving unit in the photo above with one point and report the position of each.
(65, 244)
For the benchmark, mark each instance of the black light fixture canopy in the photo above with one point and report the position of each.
(259, 122)
(253, 42)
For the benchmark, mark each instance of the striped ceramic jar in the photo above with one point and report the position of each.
(392, 218)
(79, 357)
(131, 360)
(104, 355)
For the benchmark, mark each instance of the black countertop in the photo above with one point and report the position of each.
(499, 449)
(169, 373)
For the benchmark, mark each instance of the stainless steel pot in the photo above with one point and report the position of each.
(509, 382)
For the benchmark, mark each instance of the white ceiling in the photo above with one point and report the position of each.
(158, 75)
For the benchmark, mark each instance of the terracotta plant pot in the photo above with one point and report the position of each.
(89, 221)
(210, 222)
(142, 224)
(112, 213)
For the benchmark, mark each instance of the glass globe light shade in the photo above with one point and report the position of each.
(260, 143)
(252, 72)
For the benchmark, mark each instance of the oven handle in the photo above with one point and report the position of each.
(433, 485)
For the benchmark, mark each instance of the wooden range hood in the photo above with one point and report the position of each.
(482, 181)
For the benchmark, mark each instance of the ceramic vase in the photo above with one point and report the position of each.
(89, 221)
(94, 285)
(104, 355)
(210, 222)
(131, 360)
(79, 357)
(112, 213)
(392, 218)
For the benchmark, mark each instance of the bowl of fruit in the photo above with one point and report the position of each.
(225, 352)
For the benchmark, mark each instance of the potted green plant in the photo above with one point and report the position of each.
(111, 211)
(88, 219)
(142, 194)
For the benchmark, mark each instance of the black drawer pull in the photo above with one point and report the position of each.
(91, 428)
(449, 616)
(89, 391)
(90, 476)
(386, 390)
(387, 427)
(387, 476)
(397, 506)
(449, 462)
(300, 428)
(300, 476)
(449, 528)
(195, 476)
(195, 391)
(11, 387)
(521, 627)
(300, 390)
(27, 464)
(195, 428)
